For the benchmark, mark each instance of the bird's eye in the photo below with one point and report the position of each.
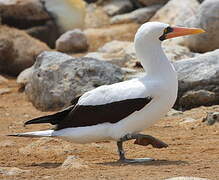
(165, 31)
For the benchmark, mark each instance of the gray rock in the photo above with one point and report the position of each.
(174, 112)
(72, 41)
(207, 18)
(140, 16)
(176, 12)
(73, 162)
(24, 77)
(18, 50)
(198, 80)
(151, 2)
(12, 171)
(58, 78)
(211, 118)
(198, 98)
(113, 7)
(186, 178)
(187, 120)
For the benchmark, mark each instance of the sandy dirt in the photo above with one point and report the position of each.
(193, 148)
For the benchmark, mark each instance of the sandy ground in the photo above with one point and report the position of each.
(193, 148)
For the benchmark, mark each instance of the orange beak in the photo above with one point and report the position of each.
(182, 31)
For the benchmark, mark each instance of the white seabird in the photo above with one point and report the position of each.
(120, 111)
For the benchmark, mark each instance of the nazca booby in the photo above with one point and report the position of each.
(120, 111)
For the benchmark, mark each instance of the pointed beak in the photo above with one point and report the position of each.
(182, 31)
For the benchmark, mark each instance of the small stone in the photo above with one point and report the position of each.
(72, 41)
(174, 112)
(5, 91)
(212, 118)
(73, 162)
(12, 171)
(188, 120)
(24, 77)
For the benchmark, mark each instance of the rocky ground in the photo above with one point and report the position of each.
(193, 148)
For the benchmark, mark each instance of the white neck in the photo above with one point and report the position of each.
(153, 59)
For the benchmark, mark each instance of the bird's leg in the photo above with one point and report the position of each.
(140, 139)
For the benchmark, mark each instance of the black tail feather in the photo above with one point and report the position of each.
(52, 119)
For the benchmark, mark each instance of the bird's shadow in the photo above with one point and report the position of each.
(47, 165)
(150, 163)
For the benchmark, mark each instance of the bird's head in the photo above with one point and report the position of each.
(157, 32)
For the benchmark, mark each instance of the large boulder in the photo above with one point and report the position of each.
(198, 80)
(23, 14)
(72, 42)
(17, 50)
(29, 15)
(140, 15)
(176, 12)
(207, 18)
(58, 78)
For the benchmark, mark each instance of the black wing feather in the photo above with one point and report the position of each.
(96, 114)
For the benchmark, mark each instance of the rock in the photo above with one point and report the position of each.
(176, 12)
(12, 171)
(116, 59)
(187, 120)
(174, 112)
(140, 16)
(46, 147)
(47, 33)
(206, 18)
(7, 143)
(186, 178)
(17, 50)
(151, 2)
(98, 37)
(198, 80)
(73, 162)
(113, 7)
(23, 14)
(4, 91)
(211, 118)
(114, 46)
(72, 41)
(3, 80)
(95, 17)
(58, 78)
(29, 15)
(24, 77)
(198, 98)
(176, 52)
(113, 52)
